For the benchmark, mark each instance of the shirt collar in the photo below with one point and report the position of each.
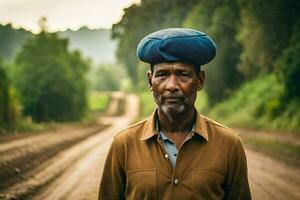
(200, 127)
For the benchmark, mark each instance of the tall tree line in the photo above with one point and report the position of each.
(254, 37)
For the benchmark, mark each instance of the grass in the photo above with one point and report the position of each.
(282, 150)
(258, 104)
(147, 104)
(98, 101)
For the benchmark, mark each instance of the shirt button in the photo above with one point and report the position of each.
(176, 181)
(167, 157)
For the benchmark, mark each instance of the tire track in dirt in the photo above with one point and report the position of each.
(272, 179)
(44, 158)
(81, 180)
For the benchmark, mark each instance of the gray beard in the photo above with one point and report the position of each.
(172, 111)
(175, 111)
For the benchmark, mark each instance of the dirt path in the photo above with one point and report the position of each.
(272, 179)
(81, 180)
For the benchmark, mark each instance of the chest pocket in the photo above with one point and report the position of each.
(141, 184)
(208, 183)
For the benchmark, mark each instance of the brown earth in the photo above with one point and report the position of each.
(73, 170)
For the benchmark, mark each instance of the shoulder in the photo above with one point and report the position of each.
(218, 130)
(132, 132)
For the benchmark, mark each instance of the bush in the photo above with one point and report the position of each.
(9, 107)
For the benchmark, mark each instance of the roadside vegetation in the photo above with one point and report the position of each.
(44, 85)
(259, 105)
(98, 101)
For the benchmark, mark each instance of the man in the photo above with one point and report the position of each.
(176, 153)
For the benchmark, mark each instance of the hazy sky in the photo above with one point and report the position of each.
(62, 14)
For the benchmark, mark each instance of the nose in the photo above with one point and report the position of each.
(172, 83)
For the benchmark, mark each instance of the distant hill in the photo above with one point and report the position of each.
(11, 41)
(95, 44)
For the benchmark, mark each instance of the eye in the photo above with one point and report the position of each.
(184, 76)
(160, 74)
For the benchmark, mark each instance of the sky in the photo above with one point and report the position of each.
(62, 14)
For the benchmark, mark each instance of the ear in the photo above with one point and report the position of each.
(149, 74)
(200, 80)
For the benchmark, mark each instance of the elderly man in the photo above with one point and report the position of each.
(177, 153)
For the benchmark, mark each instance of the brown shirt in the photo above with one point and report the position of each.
(211, 164)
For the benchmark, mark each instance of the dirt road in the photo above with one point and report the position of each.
(75, 172)
(272, 179)
(69, 171)
(82, 180)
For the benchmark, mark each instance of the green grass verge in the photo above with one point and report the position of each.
(279, 149)
(258, 104)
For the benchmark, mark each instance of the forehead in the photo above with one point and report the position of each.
(174, 66)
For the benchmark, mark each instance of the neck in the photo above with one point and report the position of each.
(176, 122)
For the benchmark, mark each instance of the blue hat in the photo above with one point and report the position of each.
(177, 44)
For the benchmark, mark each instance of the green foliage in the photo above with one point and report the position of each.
(253, 59)
(51, 80)
(249, 41)
(289, 66)
(201, 103)
(222, 74)
(98, 102)
(147, 104)
(107, 78)
(258, 104)
(9, 107)
(265, 31)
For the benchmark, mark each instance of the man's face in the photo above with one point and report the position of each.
(175, 86)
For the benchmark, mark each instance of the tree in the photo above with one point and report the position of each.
(50, 79)
(222, 74)
(265, 31)
(288, 66)
(9, 112)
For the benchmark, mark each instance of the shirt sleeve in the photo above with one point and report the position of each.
(236, 183)
(112, 185)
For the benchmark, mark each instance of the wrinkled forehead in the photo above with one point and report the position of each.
(182, 66)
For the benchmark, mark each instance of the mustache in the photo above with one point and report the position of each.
(173, 96)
